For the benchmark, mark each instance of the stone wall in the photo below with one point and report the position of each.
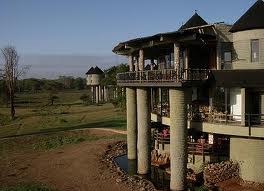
(219, 172)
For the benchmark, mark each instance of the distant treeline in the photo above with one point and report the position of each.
(33, 85)
(62, 83)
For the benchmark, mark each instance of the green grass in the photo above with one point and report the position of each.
(52, 143)
(26, 187)
(35, 116)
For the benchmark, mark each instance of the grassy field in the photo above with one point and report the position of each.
(34, 114)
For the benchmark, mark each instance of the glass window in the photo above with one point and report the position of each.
(227, 57)
(254, 50)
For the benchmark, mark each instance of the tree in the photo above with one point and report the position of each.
(52, 98)
(79, 83)
(85, 98)
(11, 73)
(110, 74)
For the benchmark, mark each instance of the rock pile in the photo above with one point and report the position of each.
(132, 182)
(218, 172)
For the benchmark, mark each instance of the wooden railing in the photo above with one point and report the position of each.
(167, 75)
(225, 118)
(198, 148)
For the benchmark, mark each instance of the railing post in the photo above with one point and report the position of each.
(249, 124)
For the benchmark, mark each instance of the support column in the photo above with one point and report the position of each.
(144, 133)
(243, 106)
(131, 102)
(105, 94)
(262, 106)
(141, 60)
(100, 93)
(178, 139)
(177, 58)
(92, 96)
(96, 94)
(130, 63)
(136, 63)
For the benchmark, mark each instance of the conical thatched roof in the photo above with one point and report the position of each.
(195, 21)
(90, 71)
(95, 70)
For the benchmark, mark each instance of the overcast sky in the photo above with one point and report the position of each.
(60, 37)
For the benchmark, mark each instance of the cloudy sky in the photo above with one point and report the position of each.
(67, 37)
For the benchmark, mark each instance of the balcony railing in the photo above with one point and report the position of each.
(167, 75)
(200, 147)
(225, 118)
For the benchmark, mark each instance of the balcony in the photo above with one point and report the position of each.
(166, 77)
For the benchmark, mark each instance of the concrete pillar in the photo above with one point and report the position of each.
(262, 106)
(100, 93)
(243, 106)
(92, 96)
(131, 102)
(136, 64)
(105, 94)
(96, 94)
(178, 138)
(141, 62)
(177, 58)
(130, 63)
(144, 131)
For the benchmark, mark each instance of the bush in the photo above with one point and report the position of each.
(120, 102)
(85, 98)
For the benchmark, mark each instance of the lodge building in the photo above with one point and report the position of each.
(202, 78)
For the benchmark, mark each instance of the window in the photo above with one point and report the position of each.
(254, 50)
(227, 57)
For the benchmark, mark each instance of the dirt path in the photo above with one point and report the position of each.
(112, 130)
(69, 168)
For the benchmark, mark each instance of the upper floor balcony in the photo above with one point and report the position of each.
(165, 77)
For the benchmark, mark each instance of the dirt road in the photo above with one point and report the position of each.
(69, 168)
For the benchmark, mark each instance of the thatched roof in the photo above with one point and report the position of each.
(189, 29)
(90, 71)
(252, 19)
(95, 70)
(195, 21)
(98, 70)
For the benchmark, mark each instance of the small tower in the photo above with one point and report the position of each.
(93, 78)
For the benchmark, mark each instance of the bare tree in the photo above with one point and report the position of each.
(11, 73)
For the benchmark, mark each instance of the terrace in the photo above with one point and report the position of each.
(165, 76)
